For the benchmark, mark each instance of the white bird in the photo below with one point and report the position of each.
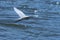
(21, 14)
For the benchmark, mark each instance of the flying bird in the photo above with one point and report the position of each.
(21, 15)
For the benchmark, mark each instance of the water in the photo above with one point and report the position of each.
(45, 26)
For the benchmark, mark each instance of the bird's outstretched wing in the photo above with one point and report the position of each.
(20, 13)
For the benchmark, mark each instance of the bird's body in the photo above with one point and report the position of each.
(20, 19)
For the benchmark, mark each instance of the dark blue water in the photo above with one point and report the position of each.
(44, 27)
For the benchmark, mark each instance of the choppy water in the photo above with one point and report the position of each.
(44, 27)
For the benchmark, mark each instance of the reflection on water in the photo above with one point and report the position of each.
(45, 25)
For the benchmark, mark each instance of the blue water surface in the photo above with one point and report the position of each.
(45, 25)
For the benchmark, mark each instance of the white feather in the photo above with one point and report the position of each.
(20, 13)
